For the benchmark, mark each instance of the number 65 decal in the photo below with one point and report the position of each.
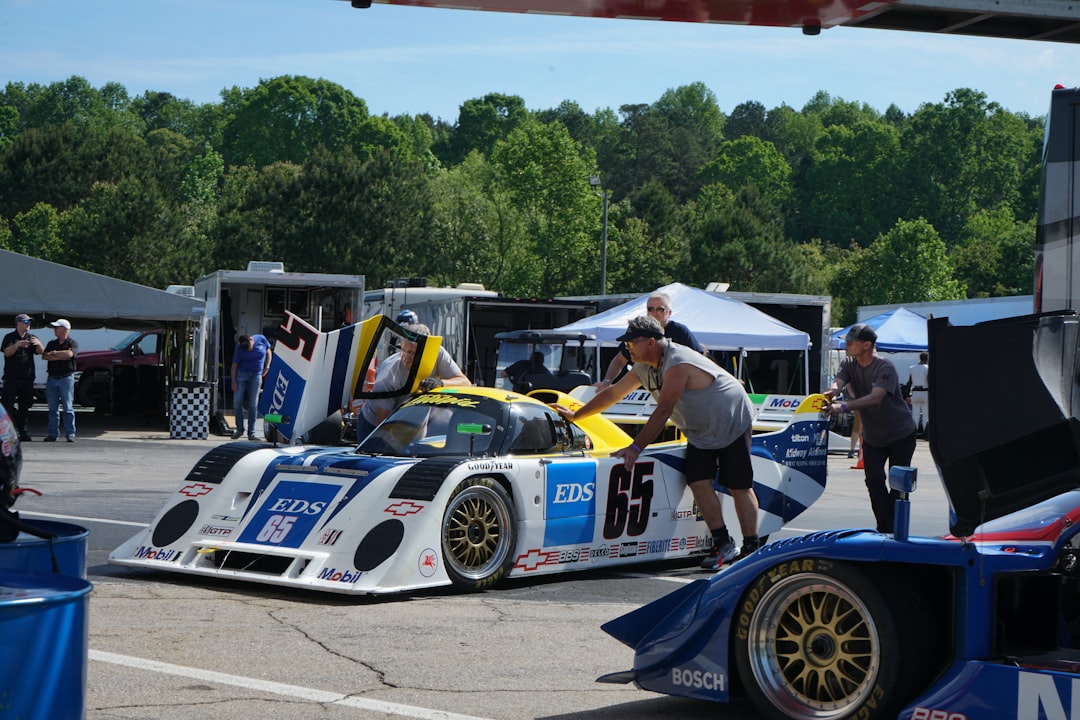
(276, 529)
(629, 498)
(297, 335)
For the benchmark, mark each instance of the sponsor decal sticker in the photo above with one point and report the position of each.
(342, 576)
(148, 552)
(195, 490)
(921, 713)
(329, 537)
(698, 679)
(535, 558)
(289, 514)
(404, 508)
(215, 530)
(428, 563)
(492, 465)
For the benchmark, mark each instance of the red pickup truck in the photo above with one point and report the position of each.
(96, 366)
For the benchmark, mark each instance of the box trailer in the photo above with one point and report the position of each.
(468, 323)
(254, 301)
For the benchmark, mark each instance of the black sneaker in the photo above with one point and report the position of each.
(749, 547)
(50, 438)
(25, 437)
(237, 434)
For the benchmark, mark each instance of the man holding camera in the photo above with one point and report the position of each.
(19, 348)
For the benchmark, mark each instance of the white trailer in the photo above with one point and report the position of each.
(254, 301)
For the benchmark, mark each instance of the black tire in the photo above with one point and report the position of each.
(86, 393)
(478, 534)
(820, 640)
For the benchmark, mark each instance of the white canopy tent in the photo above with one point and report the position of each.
(717, 322)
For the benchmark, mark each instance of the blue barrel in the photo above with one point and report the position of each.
(33, 554)
(43, 646)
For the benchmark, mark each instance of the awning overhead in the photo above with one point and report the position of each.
(898, 330)
(717, 322)
(47, 291)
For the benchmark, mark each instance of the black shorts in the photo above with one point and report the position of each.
(730, 465)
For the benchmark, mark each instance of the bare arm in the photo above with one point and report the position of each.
(602, 400)
(614, 368)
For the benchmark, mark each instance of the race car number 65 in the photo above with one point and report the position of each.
(276, 529)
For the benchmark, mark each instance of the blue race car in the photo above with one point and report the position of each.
(978, 625)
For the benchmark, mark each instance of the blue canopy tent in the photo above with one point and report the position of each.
(898, 330)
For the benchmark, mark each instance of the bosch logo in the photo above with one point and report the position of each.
(698, 679)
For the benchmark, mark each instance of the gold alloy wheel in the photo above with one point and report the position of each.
(477, 533)
(814, 648)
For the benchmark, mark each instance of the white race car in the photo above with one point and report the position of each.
(461, 486)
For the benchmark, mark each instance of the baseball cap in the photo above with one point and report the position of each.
(23, 318)
(861, 331)
(61, 323)
(633, 333)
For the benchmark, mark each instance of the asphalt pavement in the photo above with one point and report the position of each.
(169, 646)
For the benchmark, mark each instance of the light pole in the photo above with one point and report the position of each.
(604, 195)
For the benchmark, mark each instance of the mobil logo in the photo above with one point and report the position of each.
(783, 402)
(289, 513)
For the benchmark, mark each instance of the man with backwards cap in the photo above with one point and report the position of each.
(19, 348)
(888, 430)
(711, 408)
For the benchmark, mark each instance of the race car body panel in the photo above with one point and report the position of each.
(462, 486)
(850, 623)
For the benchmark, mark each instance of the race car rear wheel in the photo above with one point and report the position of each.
(478, 534)
(820, 640)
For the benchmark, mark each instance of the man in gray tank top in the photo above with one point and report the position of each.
(714, 413)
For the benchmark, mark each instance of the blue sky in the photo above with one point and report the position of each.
(412, 60)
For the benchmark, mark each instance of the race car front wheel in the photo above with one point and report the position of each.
(478, 534)
(821, 640)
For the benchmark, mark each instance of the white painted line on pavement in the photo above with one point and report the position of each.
(84, 519)
(293, 691)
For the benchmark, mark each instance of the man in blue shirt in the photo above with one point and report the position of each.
(251, 363)
(658, 306)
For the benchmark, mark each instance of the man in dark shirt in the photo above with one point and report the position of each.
(59, 356)
(658, 306)
(888, 431)
(19, 348)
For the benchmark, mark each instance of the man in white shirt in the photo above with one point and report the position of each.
(919, 379)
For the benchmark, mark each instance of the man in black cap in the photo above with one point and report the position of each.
(19, 348)
(714, 412)
(888, 429)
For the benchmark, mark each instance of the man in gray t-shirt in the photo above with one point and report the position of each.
(713, 411)
(887, 427)
(392, 374)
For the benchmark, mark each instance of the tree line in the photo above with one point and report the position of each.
(834, 198)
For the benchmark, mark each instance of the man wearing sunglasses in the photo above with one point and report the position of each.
(714, 413)
(19, 348)
(658, 306)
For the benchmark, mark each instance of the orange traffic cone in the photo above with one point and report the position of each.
(858, 463)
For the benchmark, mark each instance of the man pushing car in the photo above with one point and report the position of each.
(714, 413)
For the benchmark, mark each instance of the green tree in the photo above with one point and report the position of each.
(286, 118)
(995, 255)
(750, 161)
(481, 123)
(546, 178)
(847, 195)
(37, 234)
(907, 264)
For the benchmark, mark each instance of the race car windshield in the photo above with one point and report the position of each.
(428, 426)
